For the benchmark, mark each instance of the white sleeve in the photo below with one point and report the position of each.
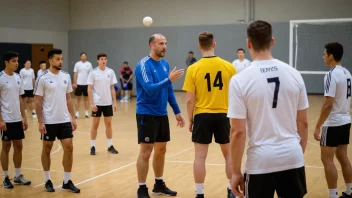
(39, 88)
(237, 106)
(21, 87)
(75, 69)
(21, 73)
(113, 78)
(329, 85)
(90, 79)
(69, 84)
(33, 75)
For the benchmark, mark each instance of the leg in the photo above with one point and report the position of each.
(86, 105)
(201, 152)
(342, 157)
(17, 160)
(225, 149)
(6, 146)
(46, 161)
(107, 121)
(25, 101)
(93, 134)
(143, 162)
(327, 157)
(32, 104)
(159, 158)
(78, 104)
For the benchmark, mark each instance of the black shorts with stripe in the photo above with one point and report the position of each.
(59, 131)
(333, 136)
(287, 184)
(14, 131)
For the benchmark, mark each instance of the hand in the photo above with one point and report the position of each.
(237, 184)
(74, 85)
(190, 126)
(115, 107)
(74, 124)
(3, 125)
(180, 120)
(94, 107)
(317, 134)
(176, 74)
(42, 128)
(25, 124)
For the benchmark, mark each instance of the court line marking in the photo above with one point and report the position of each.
(57, 150)
(36, 169)
(122, 167)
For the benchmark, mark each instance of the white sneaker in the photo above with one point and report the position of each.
(77, 115)
(86, 114)
(34, 115)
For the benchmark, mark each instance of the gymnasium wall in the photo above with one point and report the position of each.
(115, 27)
(36, 21)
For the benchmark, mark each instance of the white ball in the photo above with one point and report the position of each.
(147, 21)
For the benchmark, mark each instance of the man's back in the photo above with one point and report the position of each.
(271, 94)
(209, 79)
(338, 85)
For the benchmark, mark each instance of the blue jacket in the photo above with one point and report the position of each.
(154, 89)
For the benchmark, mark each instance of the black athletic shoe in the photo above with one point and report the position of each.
(162, 189)
(142, 192)
(230, 194)
(200, 196)
(344, 195)
(49, 186)
(92, 150)
(70, 187)
(111, 149)
(21, 180)
(7, 183)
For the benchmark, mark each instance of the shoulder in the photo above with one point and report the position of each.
(1, 73)
(110, 70)
(43, 75)
(17, 75)
(64, 73)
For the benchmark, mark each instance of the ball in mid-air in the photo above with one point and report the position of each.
(147, 21)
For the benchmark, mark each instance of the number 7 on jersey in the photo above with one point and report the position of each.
(277, 87)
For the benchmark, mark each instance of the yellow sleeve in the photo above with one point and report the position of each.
(232, 70)
(189, 81)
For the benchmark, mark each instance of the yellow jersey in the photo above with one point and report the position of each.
(209, 78)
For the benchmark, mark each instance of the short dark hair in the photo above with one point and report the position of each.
(42, 62)
(10, 55)
(190, 52)
(259, 34)
(101, 55)
(54, 51)
(82, 53)
(241, 49)
(125, 62)
(336, 49)
(151, 39)
(206, 40)
(26, 61)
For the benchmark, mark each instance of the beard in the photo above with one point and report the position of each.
(56, 67)
(160, 53)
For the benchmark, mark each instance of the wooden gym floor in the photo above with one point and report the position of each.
(109, 175)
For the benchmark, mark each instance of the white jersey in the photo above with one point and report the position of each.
(338, 85)
(53, 88)
(40, 72)
(101, 81)
(82, 70)
(239, 66)
(27, 76)
(11, 88)
(268, 95)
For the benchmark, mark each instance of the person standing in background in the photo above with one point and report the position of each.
(126, 75)
(190, 60)
(28, 79)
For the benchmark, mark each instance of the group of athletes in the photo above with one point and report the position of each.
(265, 101)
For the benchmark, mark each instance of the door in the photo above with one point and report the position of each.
(23, 49)
(40, 53)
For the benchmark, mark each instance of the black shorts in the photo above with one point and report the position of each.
(81, 90)
(105, 110)
(287, 184)
(59, 131)
(128, 87)
(28, 94)
(14, 131)
(153, 129)
(207, 124)
(334, 136)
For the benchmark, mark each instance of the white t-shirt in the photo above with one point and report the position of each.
(337, 84)
(39, 72)
(11, 88)
(268, 95)
(239, 66)
(101, 81)
(27, 76)
(53, 88)
(82, 70)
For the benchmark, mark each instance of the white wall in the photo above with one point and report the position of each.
(93, 14)
(36, 21)
(285, 10)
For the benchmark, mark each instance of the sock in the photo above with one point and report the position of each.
(348, 189)
(92, 143)
(87, 112)
(67, 177)
(33, 111)
(229, 184)
(47, 175)
(199, 189)
(159, 180)
(142, 185)
(6, 173)
(333, 193)
(109, 142)
(17, 171)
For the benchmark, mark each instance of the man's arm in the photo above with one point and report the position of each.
(130, 78)
(113, 95)
(237, 143)
(325, 110)
(302, 127)
(38, 108)
(191, 101)
(23, 113)
(75, 75)
(172, 100)
(70, 105)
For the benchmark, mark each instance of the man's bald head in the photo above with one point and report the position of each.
(155, 37)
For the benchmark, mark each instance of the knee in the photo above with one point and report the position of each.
(326, 160)
(146, 154)
(6, 147)
(68, 148)
(47, 149)
(18, 146)
(160, 151)
(108, 124)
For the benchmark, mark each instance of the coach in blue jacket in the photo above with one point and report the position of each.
(154, 91)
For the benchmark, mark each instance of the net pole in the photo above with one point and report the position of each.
(296, 50)
(291, 44)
